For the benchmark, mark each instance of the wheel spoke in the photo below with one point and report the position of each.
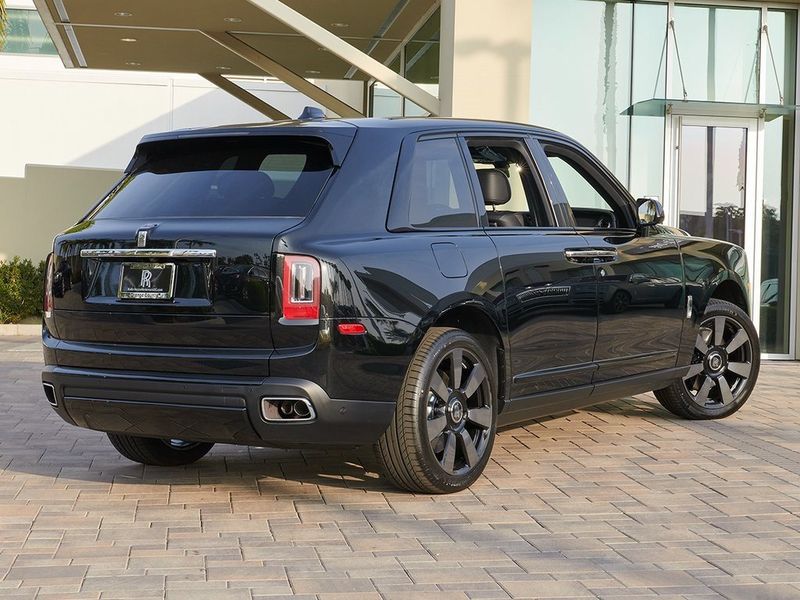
(702, 394)
(725, 390)
(438, 386)
(449, 457)
(701, 344)
(456, 367)
(468, 447)
(436, 427)
(719, 330)
(740, 368)
(482, 417)
(740, 338)
(694, 370)
(474, 381)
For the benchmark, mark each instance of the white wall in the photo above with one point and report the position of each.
(83, 125)
(87, 118)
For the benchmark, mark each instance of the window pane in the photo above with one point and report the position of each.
(440, 195)
(713, 166)
(26, 34)
(222, 178)
(581, 64)
(718, 50)
(525, 208)
(579, 191)
(422, 52)
(776, 238)
(782, 36)
(649, 81)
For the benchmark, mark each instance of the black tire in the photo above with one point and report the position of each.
(724, 369)
(409, 451)
(160, 453)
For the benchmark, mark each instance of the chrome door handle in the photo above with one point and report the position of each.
(591, 255)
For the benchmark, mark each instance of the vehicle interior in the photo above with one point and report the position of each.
(510, 193)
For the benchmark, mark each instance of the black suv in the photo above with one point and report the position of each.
(411, 284)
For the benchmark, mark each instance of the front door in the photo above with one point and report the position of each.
(639, 274)
(713, 185)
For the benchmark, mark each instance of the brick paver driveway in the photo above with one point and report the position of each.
(618, 501)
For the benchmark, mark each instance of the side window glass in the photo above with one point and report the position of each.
(439, 192)
(508, 185)
(590, 203)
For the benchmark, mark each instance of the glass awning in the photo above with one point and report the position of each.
(658, 107)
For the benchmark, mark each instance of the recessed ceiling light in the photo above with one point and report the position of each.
(133, 63)
(122, 14)
(128, 40)
(321, 49)
(223, 68)
(312, 72)
(232, 20)
(340, 25)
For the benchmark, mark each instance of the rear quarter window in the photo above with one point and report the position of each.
(433, 190)
(267, 176)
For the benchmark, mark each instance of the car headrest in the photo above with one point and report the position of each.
(495, 186)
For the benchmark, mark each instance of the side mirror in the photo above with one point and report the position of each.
(650, 211)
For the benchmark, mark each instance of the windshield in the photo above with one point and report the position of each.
(267, 176)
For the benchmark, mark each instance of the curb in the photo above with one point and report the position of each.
(20, 330)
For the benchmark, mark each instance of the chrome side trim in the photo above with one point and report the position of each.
(148, 253)
(593, 253)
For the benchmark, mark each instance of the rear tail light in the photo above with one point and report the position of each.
(300, 293)
(48, 288)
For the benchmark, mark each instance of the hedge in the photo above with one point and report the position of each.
(21, 284)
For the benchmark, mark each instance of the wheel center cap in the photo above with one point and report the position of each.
(715, 362)
(456, 410)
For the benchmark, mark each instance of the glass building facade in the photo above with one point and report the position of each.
(693, 103)
(26, 34)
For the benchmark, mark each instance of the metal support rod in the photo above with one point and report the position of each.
(348, 53)
(301, 84)
(242, 94)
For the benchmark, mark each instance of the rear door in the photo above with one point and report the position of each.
(640, 295)
(172, 271)
(549, 301)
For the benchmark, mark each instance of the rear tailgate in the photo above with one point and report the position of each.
(172, 271)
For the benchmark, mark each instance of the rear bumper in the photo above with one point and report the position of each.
(209, 408)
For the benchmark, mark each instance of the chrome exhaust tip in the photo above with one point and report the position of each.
(287, 410)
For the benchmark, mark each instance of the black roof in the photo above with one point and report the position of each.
(330, 126)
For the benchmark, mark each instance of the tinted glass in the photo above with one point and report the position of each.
(526, 203)
(439, 192)
(580, 192)
(264, 177)
(26, 34)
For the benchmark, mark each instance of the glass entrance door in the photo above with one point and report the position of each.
(713, 188)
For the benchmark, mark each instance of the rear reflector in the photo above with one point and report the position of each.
(351, 329)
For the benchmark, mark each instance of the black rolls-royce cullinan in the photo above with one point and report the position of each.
(408, 284)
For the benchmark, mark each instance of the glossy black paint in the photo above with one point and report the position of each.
(568, 333)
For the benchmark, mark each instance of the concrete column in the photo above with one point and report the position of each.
(485, 60)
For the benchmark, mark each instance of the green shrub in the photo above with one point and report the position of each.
(21, 284)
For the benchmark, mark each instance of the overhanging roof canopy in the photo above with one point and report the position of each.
(658, 107)
(170, 35)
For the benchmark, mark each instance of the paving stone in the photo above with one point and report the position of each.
(621, 501)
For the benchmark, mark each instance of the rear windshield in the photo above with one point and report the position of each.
(223, 177)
